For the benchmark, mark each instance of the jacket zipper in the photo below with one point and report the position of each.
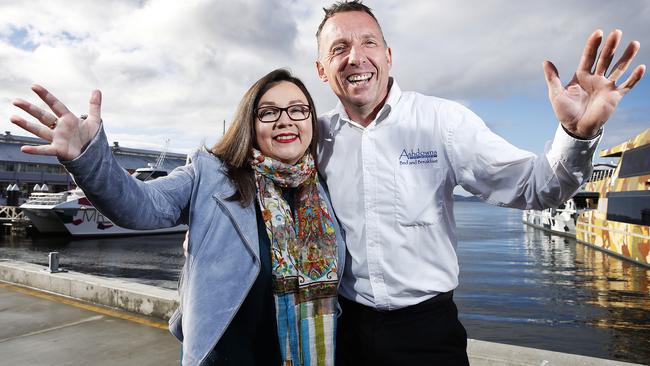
(257, 273)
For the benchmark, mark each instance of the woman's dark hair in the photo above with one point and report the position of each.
(236, 145)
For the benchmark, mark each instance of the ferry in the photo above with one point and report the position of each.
(611, 212)
(620, 222)
(563, 219)
(72, 213)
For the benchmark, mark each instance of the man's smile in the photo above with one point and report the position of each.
(358, 78)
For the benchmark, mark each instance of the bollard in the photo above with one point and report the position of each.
(53, 260)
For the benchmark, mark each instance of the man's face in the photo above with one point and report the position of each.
(354, 60)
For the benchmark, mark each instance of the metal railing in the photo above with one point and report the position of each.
(37, 198)
(601, 174)
(12, 214)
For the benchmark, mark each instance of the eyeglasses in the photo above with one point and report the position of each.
(296, 112)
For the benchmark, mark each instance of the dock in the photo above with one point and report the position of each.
(77, 319)
(45, 329)
(12, 220)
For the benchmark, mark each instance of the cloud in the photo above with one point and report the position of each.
(624, 125)
(496, 48)
(178, 69)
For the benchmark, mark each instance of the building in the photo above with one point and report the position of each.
(27, 170)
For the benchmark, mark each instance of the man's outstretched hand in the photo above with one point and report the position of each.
(67, 133)
(590, 98)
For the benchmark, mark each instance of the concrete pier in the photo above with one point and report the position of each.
(44, 329)
(483, 353)
(110, 292)
(77, 319)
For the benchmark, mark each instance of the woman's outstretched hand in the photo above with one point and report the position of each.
(67, 133)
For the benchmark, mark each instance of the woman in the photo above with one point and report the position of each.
(259, 283)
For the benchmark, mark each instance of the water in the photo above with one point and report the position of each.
(517, 285)
(150, 259)
(525, 287)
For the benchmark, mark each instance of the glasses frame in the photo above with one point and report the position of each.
(286, 110)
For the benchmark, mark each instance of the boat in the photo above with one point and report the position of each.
(563, 219)
(72, 213)
(611, 211)
(620, 222)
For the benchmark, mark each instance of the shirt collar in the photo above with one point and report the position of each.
(340, 116)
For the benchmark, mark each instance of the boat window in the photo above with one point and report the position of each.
(632, 207)
(586, 200)
(635, 162)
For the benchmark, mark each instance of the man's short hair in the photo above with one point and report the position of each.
(345, 6)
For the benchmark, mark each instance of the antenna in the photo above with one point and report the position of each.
(161, 157)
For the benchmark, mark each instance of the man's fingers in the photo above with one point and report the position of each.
(607, 53)
(552, 78)
(37, 129)
(634, 78)
(55, 105)
(624, 61)
(44, 117)
(95, 107)
(39, 150)
(590, 51)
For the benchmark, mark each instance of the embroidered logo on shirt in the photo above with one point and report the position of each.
(418, 157)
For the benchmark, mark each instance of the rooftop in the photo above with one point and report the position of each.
(129, 158)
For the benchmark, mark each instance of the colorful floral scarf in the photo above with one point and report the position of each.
(303, 260)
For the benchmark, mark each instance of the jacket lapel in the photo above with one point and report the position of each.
(244, 220)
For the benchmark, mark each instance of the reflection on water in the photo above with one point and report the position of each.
(523, 286)
(517, 285)
(151, 259)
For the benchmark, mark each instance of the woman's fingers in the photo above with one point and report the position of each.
(35, 128)
(95, 106)
(46, 118)
(55, 105)
(39, 150)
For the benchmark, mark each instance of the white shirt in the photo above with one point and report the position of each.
(391, 185)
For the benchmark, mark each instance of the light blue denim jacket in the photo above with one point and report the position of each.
(223, 254)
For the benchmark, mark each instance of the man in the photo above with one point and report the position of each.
(392, 159)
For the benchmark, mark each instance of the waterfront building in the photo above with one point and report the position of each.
(27, 170)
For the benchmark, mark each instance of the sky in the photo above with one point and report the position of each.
(176, 70)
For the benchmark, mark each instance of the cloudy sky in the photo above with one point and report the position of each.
(177, 69)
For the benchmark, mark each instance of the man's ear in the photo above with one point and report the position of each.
(321, 71)
(389, 56)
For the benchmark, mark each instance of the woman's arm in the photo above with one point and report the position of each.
(81, 146)
(125, 200)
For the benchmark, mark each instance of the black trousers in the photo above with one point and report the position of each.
(425, 334)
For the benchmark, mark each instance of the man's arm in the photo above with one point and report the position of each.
(491, 168)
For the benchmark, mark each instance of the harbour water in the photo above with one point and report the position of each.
(518, 285)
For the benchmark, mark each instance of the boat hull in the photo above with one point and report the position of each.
(555, 221)
(45, 221)
(84, 221)
(625, 240)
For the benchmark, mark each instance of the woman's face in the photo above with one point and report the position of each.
(287, 138)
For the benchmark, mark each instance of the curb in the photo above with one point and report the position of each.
(128, 296)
